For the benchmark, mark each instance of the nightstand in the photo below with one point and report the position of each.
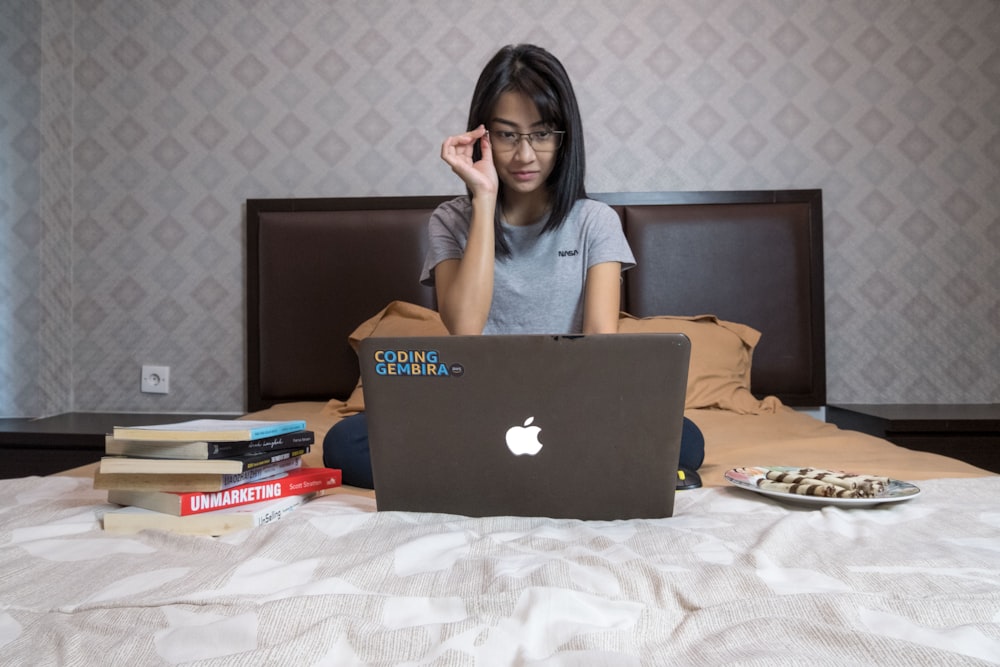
(967, 432)
(51, 444)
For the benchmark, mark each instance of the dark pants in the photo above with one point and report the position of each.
(346, 447)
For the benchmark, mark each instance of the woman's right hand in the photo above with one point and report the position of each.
(479, 176)
(465, 286)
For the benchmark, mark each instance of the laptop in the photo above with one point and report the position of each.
(583, 427)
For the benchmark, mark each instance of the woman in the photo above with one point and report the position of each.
(525, 251)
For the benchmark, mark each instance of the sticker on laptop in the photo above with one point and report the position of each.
(416, 363)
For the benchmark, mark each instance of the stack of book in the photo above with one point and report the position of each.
(208, 476)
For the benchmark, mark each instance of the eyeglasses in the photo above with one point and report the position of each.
(542, 141)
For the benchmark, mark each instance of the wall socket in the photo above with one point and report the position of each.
(155, 380)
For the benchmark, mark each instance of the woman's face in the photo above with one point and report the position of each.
(521, 168)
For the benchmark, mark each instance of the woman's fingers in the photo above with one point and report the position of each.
(486, 146)
(458, 152)
(462, 141)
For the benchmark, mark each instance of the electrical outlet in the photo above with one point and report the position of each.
(155, 380)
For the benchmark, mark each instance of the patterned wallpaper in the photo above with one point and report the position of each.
(132, 131)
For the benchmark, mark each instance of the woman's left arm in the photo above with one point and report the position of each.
(602, 298)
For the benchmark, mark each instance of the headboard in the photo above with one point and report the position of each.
(317, 268)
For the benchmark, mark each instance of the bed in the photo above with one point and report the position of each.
(734, 577)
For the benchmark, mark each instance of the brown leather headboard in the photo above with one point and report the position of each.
(754, 258)
(316, 268)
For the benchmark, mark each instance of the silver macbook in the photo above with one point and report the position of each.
(584, 427)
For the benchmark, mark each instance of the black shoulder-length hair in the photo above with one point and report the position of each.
(536, 73)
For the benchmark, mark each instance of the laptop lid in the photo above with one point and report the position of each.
(584, 427)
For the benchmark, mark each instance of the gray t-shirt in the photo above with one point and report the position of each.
(540, 287)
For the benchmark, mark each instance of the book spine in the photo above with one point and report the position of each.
(130, 520)
(278, 457)
(232, 431)
(259, 473)
(220, 450)
(266, 516)
(277, 429)
(200, 449)
(304, 480)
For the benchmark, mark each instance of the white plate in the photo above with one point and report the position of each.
(897, 492)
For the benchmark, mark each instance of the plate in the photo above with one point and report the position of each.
(746, 478)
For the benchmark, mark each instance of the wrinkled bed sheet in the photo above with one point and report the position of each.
(733, 578)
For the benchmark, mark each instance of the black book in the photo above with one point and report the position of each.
(201, 449)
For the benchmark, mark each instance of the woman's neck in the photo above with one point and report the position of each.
(520, 210)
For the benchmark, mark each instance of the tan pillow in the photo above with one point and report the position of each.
(721, 355)
(399, 318)
(718, 377)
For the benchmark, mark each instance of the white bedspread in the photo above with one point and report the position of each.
(734, 578)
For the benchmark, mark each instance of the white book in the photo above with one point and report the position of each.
(129, 520)
(189, 481)
(212, 430)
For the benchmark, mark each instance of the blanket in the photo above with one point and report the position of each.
(733, 578)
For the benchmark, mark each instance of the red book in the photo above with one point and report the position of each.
(292, 483)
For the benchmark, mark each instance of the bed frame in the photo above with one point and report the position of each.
(316, 268)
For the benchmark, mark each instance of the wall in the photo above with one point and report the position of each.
(36, 225)
(176, 112)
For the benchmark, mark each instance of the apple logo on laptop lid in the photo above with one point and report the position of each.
(523, 440)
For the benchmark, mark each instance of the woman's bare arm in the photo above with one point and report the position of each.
(602, 298)
(464, 286)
